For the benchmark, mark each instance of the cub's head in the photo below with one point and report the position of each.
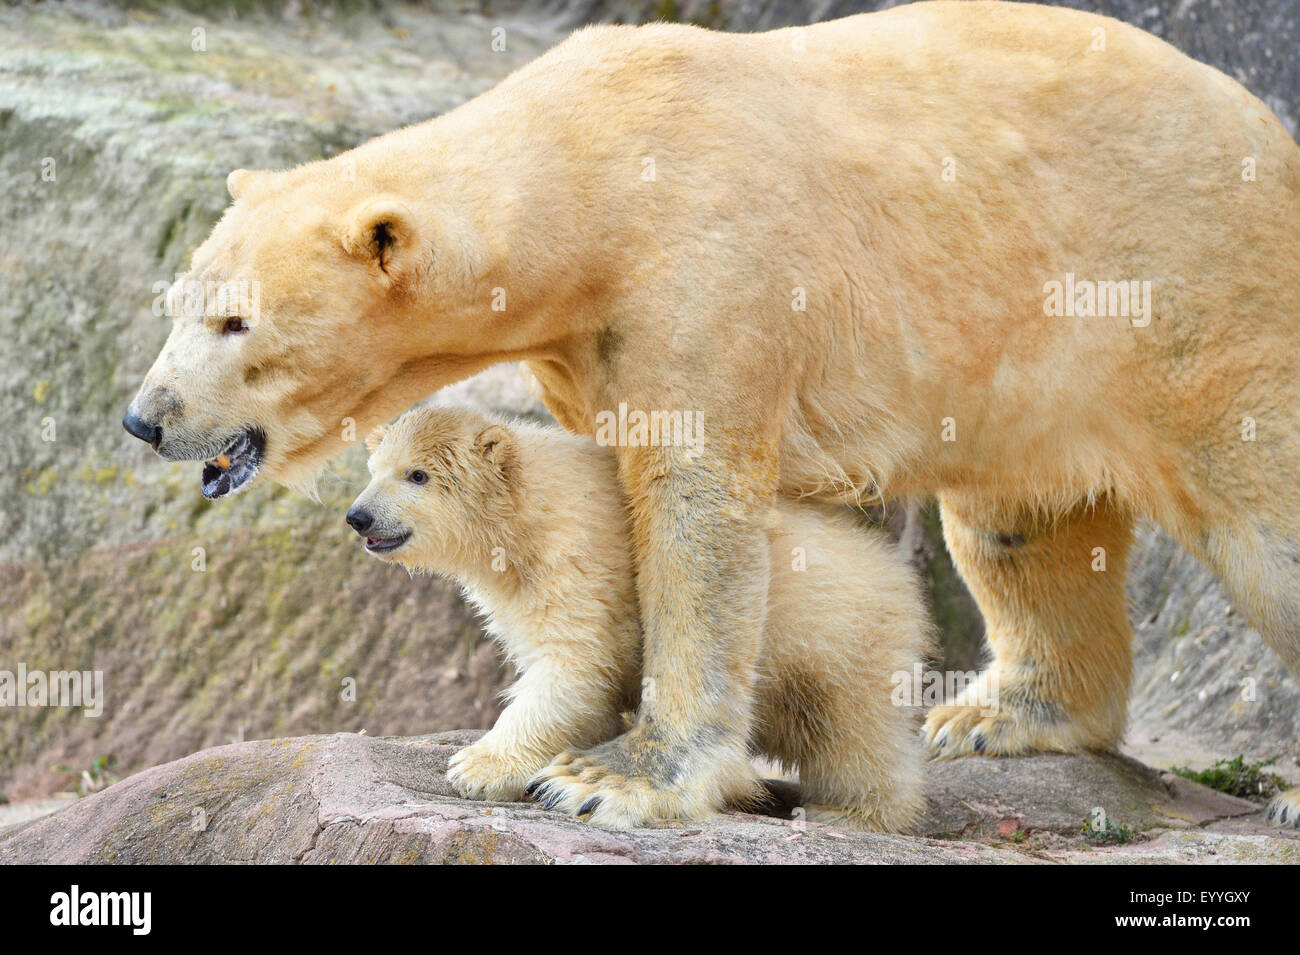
(306, 316)
(442, 491)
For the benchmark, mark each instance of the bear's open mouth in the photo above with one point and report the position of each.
(382, 545)
(234, 467)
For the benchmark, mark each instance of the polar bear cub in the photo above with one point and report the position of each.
(531, 521)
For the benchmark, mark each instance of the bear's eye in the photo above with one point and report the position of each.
(418, 477)
(234, 326)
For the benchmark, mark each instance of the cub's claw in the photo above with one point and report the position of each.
(487, 772)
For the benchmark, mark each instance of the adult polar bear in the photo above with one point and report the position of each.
(656, 205)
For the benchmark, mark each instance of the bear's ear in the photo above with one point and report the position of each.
(237, 182)
(375, 437)
(383, 231)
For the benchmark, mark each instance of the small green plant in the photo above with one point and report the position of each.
(91, 780)
(668, 10)
(1101, 830)
(1235, 777)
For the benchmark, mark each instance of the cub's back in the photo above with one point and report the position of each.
(841, 594)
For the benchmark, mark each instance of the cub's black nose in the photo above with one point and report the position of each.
(137, 426)
(360, 520)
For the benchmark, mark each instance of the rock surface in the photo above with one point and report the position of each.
(354, 799)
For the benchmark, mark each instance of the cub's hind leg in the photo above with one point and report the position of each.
(838, 630)
(859, 765)
(873, 782)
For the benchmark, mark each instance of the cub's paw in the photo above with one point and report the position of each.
(845, 817)
(889, 814)
(1284, 809)
(1012, 720)
(632, 782)
(487, 772)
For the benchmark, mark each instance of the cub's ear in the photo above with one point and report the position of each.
(383, 231)
(493, 442)
(497, 446)
(237, 182)
(376, 436)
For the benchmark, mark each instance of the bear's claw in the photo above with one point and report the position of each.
(615, 784)
(1284, 809)
(1013, 722)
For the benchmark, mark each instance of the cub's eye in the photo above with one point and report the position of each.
(418, 477)
(234, 326)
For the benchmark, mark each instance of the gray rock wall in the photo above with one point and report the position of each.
(117, 136)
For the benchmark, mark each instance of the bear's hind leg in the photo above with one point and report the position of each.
(1052, 594)
(1258, 560)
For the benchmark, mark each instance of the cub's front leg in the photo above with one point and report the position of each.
(702, 565)
(556, 704)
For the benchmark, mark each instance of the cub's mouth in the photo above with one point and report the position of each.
(384, 545)
(233, 468)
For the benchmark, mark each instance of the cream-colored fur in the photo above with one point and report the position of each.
(531, 521)
(835, 244)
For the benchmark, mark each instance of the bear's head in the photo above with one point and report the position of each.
(320, 305)
(443, 490)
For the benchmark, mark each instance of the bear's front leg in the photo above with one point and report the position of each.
(703, 569)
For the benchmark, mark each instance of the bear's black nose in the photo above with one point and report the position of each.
(137, 426)
(360, 520)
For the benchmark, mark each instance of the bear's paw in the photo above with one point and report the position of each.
(1284, 809)
(626, 783)
(1011, 717)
